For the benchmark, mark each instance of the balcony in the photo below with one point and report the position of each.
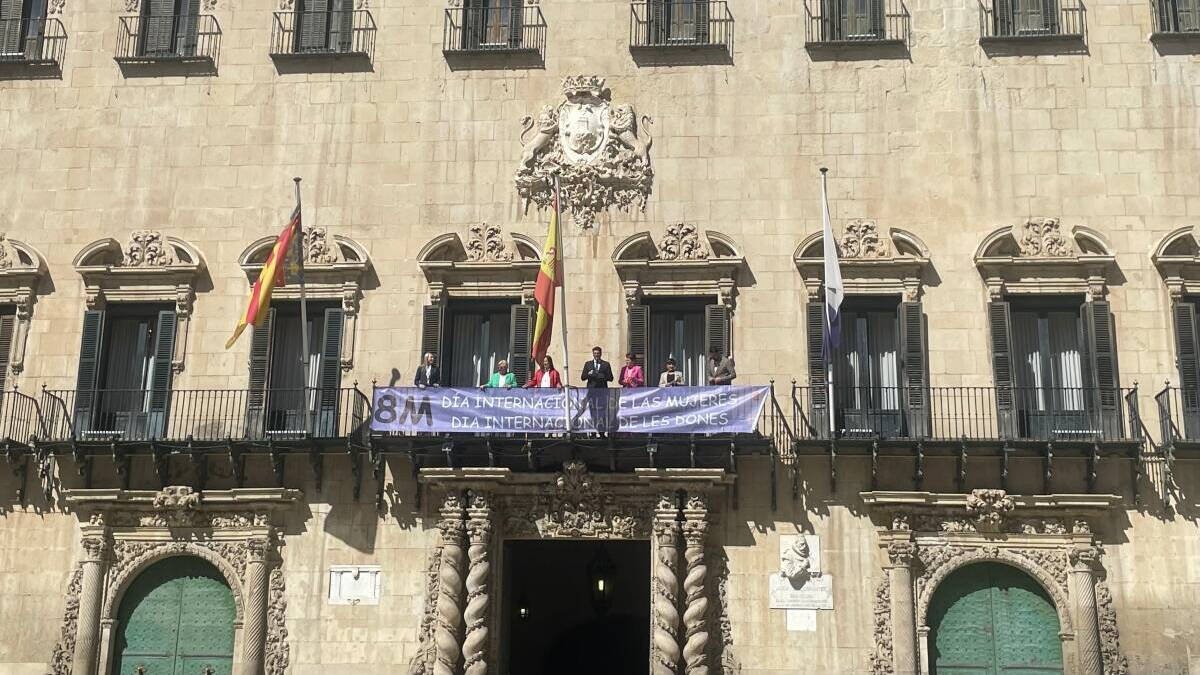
(1030, 22)
(323, 35)
(167, 45)
(834, 24)
(504, 35)
(1179, 418)
(32, 44)
(672, 31)
(1176, 25)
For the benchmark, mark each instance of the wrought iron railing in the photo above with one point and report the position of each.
(1179, 414)
(181, 37)
(972, 413)
(32, 41)
(204, 414)
(836, 22)
(673, 23)
(1176, 17)
(20, 418)
(1031, 20)
(505, 27)
(334, 33)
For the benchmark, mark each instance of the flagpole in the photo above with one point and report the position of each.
(304, 360)
(828, 319)
(561, 290)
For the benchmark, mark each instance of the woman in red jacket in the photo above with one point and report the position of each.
(546, 376)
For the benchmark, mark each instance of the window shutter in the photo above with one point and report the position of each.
(515, 10)
(1188, 359)
(158, 27)
(8, 328)
(1187, 14)
(431, 334)
(313, 21)
(1049, 10)
(878, 18)
(188, 27)
(916, 379)
(520, 341)
(845, 19)
(716, 329)
(818, 382)
(1099, 328)
(341, 28)
(1163, 11)
(10, 26)
(160, 380)
(330, 377)
(658, 22)
(703, 8)
(638, 342)
(1002, 17)
(1000, 323)
(90, 349)
(260, 375)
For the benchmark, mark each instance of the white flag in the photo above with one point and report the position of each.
(834, 290)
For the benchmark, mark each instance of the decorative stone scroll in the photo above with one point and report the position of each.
(682, 241)
(486, 244)
(685, 261)
(863, 241)
(486, 264)
(873, 261)
(599, 152)
(574, 505)
(1039, 256)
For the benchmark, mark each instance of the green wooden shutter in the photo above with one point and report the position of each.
(158, 24)
(1000, 323)
(916, 379)
(160, 380)
(818, 382)
(1103, 360)
(431, 334)
(10, 26)
(716, 329)
(313, 21)
(638, 339)
(520, 341)
(330, 377)
(261, 341)
(90, 350)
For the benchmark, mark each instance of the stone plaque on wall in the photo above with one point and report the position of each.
(814, 593)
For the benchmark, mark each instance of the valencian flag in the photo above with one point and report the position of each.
(272, 275)
(549, 277)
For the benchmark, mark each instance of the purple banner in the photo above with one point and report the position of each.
(645, 410)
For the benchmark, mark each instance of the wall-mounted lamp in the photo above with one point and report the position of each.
(601, 571)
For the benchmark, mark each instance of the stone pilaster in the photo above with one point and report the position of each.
(695, 613)
(254, 624)
(450, 587)
(91, 598)
(1087, 622)
(901, 554)
(479, 581)
(665, 660)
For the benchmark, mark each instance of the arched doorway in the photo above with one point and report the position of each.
(177, 617)
(991, 618)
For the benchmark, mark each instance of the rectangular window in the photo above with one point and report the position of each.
(22, 24)
(477, 339)
(492, 24)
(169, 28)
(867, 369)
(1051, 370)
(324, 25)
(1035, 17)
(676, 331)
(1178, 16)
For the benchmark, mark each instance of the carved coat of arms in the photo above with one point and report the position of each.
(600, 153)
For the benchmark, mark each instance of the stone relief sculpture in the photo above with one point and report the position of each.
(317, 250)
(989, 507)
(575, 506)
(797, 563)
(1042, 238)
(600, 153)
(484, 244)
(862, 240)
(64, 649)
(682, 241)
(146, 248)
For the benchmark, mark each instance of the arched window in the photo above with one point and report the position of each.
(992, 618)
(176, 617)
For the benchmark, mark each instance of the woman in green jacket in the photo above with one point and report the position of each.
(502, 378)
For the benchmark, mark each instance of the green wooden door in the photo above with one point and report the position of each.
(993, 619)
(176, 619)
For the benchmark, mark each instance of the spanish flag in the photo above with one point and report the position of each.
(549, 277)
(270, 277)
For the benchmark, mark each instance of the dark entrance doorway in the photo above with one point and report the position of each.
(579, 607)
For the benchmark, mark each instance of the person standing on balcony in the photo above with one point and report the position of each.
(428, 373)
(670, 377)
(545, 376)
(721, 370)
(632, 374)
(501, 379)
(597, 372)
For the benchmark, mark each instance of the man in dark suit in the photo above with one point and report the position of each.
(598, 373)
(428, 374)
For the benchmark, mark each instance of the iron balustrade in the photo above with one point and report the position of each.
(134, 415)
(505, 27)
(1176, 17)
(670, 23)
(32, 41)
(849, 22)
(331, 33)
(1179, 414)
(1031, 19)
(20, 418)
(180, 37)
(973, 413)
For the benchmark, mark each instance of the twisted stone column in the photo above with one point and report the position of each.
(91, 597)
(1087, 622)
(450, 583)
(665, 660)
(479, 577)
(254, 618)
(901, 555)
(695, 614)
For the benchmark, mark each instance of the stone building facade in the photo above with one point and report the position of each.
(988, 177)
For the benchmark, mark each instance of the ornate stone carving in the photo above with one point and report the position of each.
(56, 7)
(574, 506)
(486, 245)
(479, 577)
(64, 649)
(994, 521)
(317, 250)
(148, 248)
(599, 152)
(130, 557)
(683, 242)
(8, 254)
(183, 517)
(178, 497)
(450, 583)
(863, 241)
(1042, 238)
(422, 662)
(881, 656)
(132, 6)
(721, 649)
(1110, 640)
(695, 613)
(902, 553)
(989, 507)
(278, 653)
(797, 564)
(665, 657)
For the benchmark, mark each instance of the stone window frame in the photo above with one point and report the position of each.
(1177, 257)
(22, 269)
(684, 261)
(1038, 258)
(335, 269)
(150, 267)
(872, 263)
(483, 266)
(123, 532)
(924, 537)
(479, 508)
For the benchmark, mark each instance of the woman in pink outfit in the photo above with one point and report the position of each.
(631, 373)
